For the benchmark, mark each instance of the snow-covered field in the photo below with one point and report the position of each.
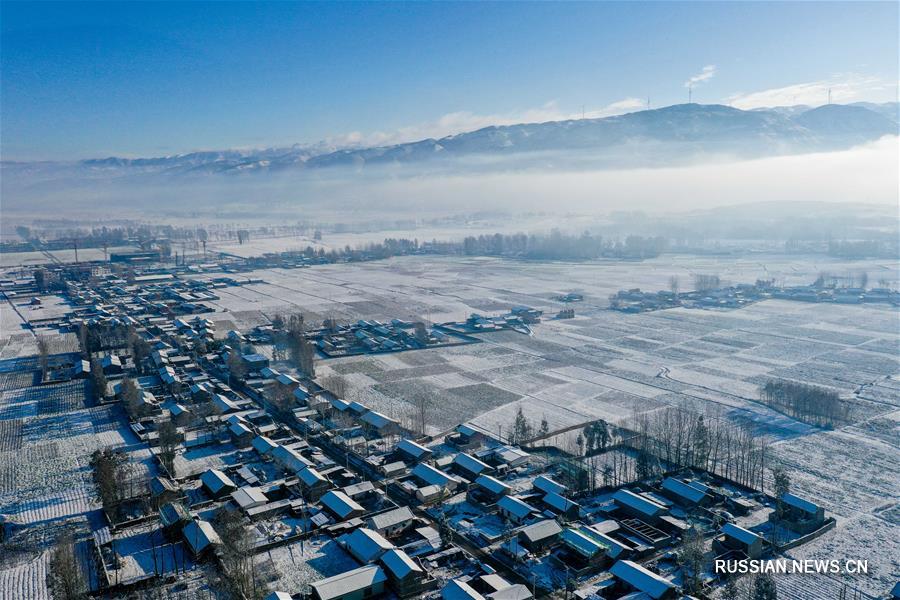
(24, 259)
(47, 434)
(605, 364)
(602, 364)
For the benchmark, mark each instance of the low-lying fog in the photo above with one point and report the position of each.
(864, 174)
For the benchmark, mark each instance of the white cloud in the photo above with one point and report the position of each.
(844, 88)
(463, 121)
(705, 74)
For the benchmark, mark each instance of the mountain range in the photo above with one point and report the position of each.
(664, 136)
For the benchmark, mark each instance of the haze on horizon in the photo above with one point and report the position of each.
(83, 80)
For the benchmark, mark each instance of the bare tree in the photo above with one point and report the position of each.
(674, 284)
(336, 384)
(43, 345)
(282, 398)
(237, 554)
(521, 428)
(237, 368)
(131, 397)
(169, 440)
(98, 379)
(690, 557)
(64, 578)
(421, 332)
(108, 475)
(421, 405)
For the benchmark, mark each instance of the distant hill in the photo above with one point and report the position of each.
(664, 136)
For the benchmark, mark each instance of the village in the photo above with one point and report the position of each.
(246, 475)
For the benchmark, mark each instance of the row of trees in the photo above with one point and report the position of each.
(682, 437)
(808, 403)
(291, 336)
(553, 246)
(560, 246)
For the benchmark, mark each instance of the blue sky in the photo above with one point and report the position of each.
(146, 79)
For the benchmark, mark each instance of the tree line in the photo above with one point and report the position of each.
(808, 403)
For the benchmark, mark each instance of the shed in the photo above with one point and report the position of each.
(460, 590)
(248, 497)
(290, 459)
(200, 536)
(562, 506)
(404, 574)
(431, 476)
(735, 537)
(263, 445)
(493, 487)
(469, 466)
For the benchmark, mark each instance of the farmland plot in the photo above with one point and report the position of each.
(47, 434)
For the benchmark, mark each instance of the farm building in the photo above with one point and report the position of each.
(263, 445)
(200, 537)
(546, 485)
(247, 497)
(459, 590)
(801, 515)
(341, 505)
(216, 483)
(633, 576)
(514, 509)
(568, 509)
(380, 423)
(358, 584)
(366, 545)
(469, 466)
(405, 575)
(412, 451)
(431, 476)
(490, 489)
(638, 506)
(687, 493)
(511, 456)
(733, 537)
(290, 460)
(314, 484)
(392, 522)
(540, 535)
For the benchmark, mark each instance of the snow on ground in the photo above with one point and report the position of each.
(605, 364)
(602, 364)
(299, 564)
(25, 259)
(47, 434)
(854, 476)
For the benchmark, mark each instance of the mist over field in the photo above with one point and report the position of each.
(865, 174)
